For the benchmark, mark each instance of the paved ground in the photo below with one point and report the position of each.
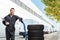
(16, 38)
(52, 36)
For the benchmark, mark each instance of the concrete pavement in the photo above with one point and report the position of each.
(16, 38)
(52, 36)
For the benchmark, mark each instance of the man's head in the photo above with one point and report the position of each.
(12, 10)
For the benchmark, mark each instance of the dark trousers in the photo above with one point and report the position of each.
(10, 35)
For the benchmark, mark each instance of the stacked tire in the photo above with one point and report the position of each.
(35, 32)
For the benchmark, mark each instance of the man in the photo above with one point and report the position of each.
(9, 22)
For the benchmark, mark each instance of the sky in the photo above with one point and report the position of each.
(39, 4)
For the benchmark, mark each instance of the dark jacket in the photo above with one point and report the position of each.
(11, 20)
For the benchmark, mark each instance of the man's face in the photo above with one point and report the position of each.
(12, 11)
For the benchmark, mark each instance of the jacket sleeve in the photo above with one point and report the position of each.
(4, 22)
(20, 19)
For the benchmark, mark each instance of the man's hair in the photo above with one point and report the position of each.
(12, 8)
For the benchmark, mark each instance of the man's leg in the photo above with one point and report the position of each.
(13, 35)
(7, 35)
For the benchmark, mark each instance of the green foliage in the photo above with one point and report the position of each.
(52, 9)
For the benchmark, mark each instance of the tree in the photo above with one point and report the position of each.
(52, 9)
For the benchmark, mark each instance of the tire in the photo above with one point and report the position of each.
(35, 27)
(36, 38)
(36, 34)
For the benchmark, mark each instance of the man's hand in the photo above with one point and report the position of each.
(7, 23)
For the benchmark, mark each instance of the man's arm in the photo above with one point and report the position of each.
(4, 22)
(20, 19)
